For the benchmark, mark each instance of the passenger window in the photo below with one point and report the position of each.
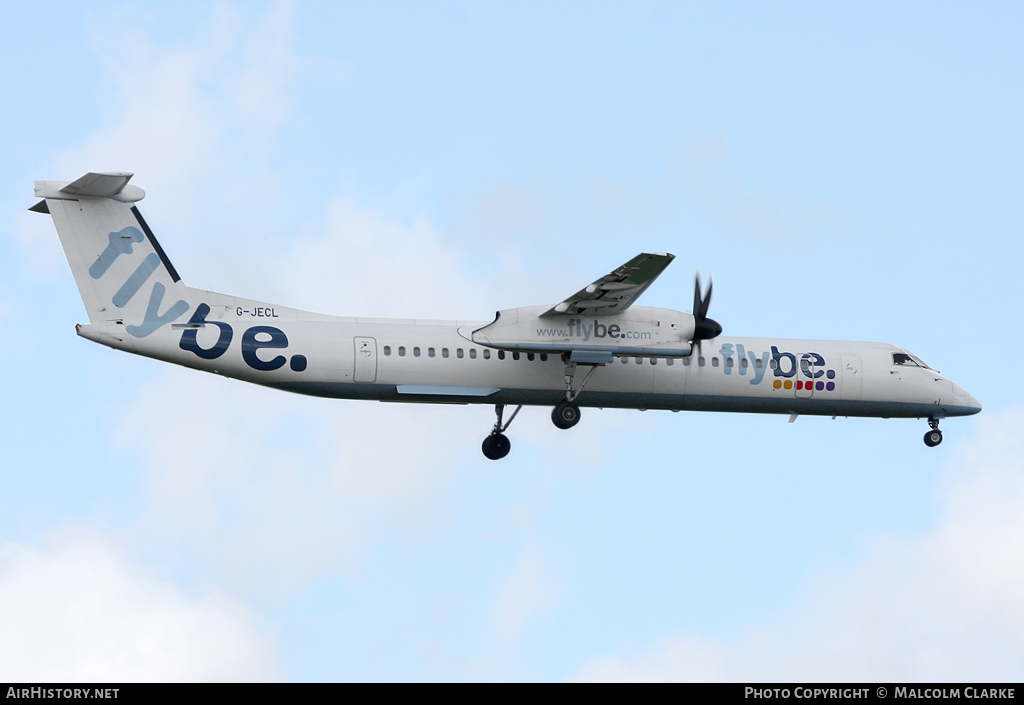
(387, 350)
(459, 353)
(487, 353)
(774, 363)
(401, 351)
(669, 361)
(624, 360)
(639, 361)
(472, 353)
(515, 355)
(758, 364)
(701, 361)
(416, 352)
(530, 357)
(728, 362)
(686, 362)
(501, 354)
(543, 357)
(743, 362)
(430, 352)
(444, 352)
(714, 362)
(654, 360)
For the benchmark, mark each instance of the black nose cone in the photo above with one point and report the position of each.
(707, 329)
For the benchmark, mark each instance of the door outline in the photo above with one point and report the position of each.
(365, 359)
(851, 377)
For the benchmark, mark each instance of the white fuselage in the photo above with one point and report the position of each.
(437, 361)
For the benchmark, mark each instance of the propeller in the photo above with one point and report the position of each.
(704, 328)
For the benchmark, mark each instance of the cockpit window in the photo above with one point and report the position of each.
(908, 360)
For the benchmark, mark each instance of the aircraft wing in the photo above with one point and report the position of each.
(615, 292)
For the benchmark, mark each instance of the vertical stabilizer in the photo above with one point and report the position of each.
(122, 273)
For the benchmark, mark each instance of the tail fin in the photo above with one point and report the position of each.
(121, 271)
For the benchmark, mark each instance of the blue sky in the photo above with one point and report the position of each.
(843, 172)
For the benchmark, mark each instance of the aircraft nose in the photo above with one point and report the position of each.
(966, 403)
(973, 403)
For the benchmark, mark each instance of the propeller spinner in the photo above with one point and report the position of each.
(704, 328)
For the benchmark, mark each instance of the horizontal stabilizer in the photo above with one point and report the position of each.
(99, 185)
(93, 185)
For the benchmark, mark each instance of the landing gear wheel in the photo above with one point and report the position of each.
(933, 438)
(496, 446)
(565, 415)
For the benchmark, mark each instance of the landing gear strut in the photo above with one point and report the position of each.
(934, 435)
(497, 445)
(567, 413)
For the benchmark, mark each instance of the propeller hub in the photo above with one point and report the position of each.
(706, 329)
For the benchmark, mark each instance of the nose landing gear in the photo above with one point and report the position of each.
(497, 445)
(934, 435)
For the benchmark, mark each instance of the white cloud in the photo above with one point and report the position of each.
(272, 489)
(196, 120)
(79, 610)
(163, 122)
(367, 264)
(763, 213)
(948, 605)
(669, 660)
(525, 594)
(38, 244)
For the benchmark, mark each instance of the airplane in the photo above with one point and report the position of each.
(594, 349)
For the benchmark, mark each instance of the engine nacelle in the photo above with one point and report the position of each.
(639, 330)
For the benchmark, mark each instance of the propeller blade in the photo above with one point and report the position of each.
(704, 328)
(707, 298)
(696, 294)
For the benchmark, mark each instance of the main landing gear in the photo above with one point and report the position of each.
(934, 435)
(497, 445)
(567, 413)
